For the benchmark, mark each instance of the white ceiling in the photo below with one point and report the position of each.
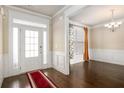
(48, 10)
(98, 14)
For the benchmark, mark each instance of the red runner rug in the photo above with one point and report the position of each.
(39, 80)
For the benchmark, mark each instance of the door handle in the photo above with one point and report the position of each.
(41, 49)
(40, 46)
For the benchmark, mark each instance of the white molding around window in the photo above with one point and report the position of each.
(29, 18)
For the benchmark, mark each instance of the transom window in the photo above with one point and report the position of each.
(28, 23)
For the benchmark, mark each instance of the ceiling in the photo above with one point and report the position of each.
(97, 14)
(48, 10)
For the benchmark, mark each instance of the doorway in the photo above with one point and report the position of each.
(28, 43)
(29, 48)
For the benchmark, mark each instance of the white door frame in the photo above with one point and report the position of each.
(14, 14)
(20, 36)
(68, 13)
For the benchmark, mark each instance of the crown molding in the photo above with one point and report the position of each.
(73, 9)
(69, 9)
(78, 24)
(61, 10)
(28, 11)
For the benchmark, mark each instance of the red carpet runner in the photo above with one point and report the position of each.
(39, 80)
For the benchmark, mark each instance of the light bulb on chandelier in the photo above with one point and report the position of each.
(113, 25)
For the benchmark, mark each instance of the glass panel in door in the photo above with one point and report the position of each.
(31, 44)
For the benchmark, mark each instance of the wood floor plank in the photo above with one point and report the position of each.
(83, 75)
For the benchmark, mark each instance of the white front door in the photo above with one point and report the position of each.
(28, 43)
(31, 49)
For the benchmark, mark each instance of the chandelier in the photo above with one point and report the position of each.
(113, 25)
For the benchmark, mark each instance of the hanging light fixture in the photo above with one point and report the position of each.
(113, 25)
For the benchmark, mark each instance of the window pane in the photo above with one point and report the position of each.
(36, 34)
(35, 40)
(35, 47)
(44, 47)
(31, 40)
(32, 33)
(27, 33)
(27, 47)
(31, 43)
(27, 40)
(15, 47)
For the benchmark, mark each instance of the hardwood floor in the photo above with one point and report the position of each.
(83, 75)
(19, 81)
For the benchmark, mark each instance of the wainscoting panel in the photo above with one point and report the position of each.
(7, 65)
(108, 55)
(59, 61)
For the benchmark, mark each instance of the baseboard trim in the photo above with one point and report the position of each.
(12, 75)
(107, 62)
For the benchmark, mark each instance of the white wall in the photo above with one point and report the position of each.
(106, 46)
(58, 28)
(1, 53)
(60, 51)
